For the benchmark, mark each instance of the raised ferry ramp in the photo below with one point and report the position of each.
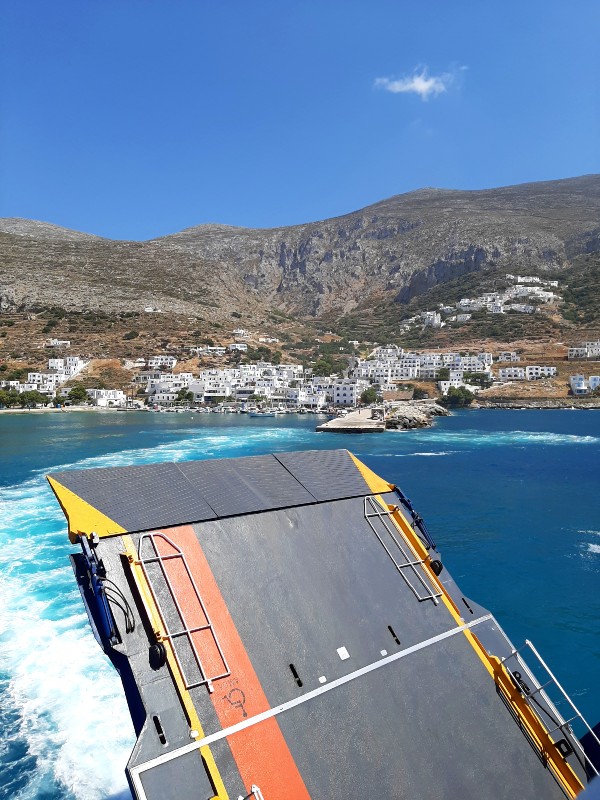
(285, 629)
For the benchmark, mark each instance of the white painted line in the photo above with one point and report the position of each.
(273, 712)
(343, 653)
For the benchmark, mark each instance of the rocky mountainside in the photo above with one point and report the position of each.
(393, 250)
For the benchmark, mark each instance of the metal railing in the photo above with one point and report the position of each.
(548, 707)
(186, 631)
(400, 552)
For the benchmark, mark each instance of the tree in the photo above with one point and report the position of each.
(457, 396)
(369, 396)
(8, 399)
(185, 396)
(32, 399)
(78, 394)
(479, 378)
(443, 374)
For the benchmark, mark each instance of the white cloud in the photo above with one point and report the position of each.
(420, 82)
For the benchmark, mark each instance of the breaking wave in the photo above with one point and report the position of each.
(476, 438)
(53, 668)
(420, 454)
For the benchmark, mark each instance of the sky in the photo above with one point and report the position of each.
(133, 119)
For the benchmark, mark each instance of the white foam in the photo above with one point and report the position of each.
(410, 455)
(68, 698)
(441, 453)
(508, 438)
(594, 548)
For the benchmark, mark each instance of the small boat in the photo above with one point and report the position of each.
(262, 414)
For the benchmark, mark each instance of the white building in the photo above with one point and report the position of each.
(533, 373)
(46, 379)
(511, 374)
(347, 391)
(432, 319)
(107, 398)
(587, 350)
(580, 385)
(522, 308)
(162, 361)
(508, 355)
(456, 383)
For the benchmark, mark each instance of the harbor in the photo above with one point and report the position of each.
(367, 420)
(402, 415)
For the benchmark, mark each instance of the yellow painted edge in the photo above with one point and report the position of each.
(82, 518)
(373, 481)
(530, 720)
(532, 723)
(156, 622)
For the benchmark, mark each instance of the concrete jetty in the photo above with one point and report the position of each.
(359, 421)
(398, 416)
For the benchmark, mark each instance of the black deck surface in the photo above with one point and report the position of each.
(151, 496)
(301, 583)
(139, 498)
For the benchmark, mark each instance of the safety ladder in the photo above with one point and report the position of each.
(529, 687)
(184, 632)
(400, 551)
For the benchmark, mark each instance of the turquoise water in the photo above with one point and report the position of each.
(512, 498)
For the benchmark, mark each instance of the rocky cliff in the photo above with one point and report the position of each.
(397, 248)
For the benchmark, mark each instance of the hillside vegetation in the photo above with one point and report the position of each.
(360, 274)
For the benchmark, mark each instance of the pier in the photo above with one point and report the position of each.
(360, 421)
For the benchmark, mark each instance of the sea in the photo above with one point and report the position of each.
(511, 497)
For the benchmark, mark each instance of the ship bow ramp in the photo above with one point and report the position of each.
(284, 629)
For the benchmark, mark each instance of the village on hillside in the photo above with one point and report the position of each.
(388, 373)
(241, 370)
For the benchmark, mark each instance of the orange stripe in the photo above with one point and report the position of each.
(260, 751)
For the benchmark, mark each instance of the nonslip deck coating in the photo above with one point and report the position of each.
(292, 577)
(151, 496)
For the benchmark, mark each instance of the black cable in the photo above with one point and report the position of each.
(125, 608)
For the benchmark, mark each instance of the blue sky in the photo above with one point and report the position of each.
(137, 118)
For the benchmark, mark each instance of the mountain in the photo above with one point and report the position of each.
(394, 250)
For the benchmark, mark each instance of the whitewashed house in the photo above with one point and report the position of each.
(107, 398)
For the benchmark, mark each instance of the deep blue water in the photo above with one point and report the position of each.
(512, 498)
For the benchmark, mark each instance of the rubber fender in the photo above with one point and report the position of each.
(157, 655)
(436, 567)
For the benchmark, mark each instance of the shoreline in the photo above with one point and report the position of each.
(565, 403)
(53, 410)
(562, 403)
